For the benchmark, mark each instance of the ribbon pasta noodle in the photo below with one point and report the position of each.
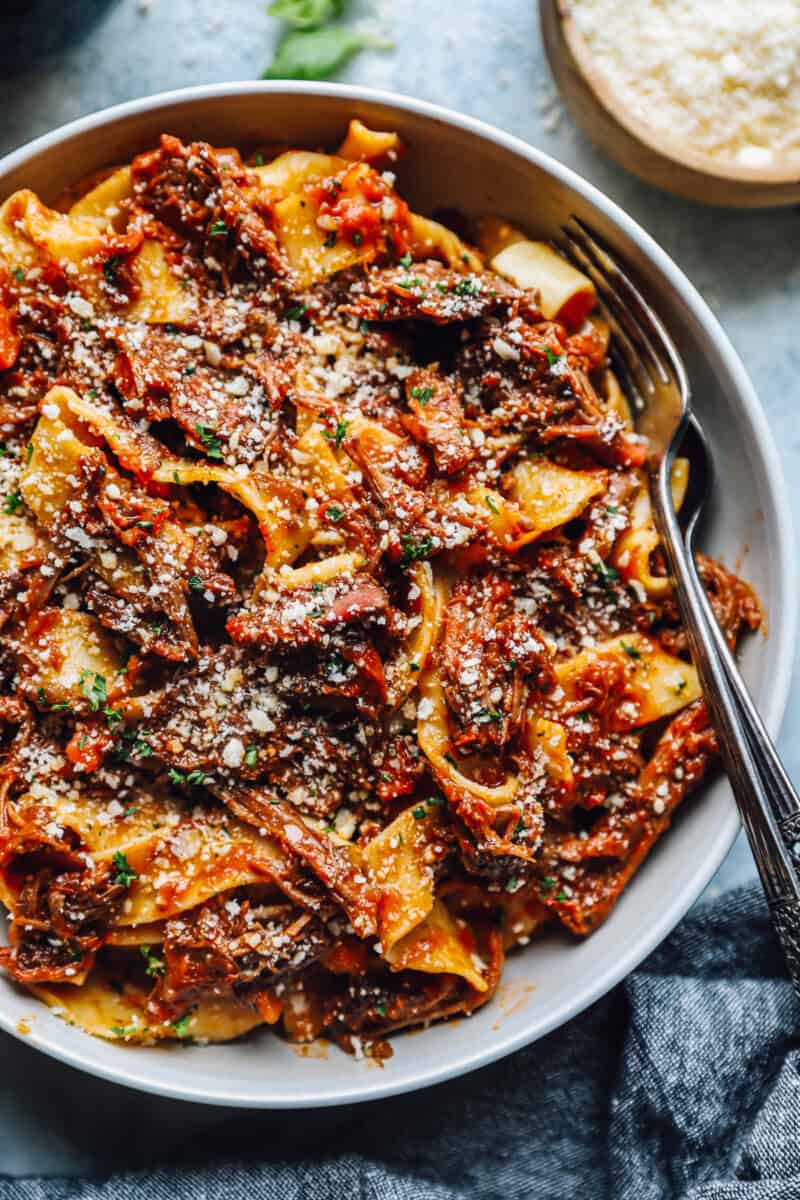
(337, 659)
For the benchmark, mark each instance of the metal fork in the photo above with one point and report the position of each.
(655, 381)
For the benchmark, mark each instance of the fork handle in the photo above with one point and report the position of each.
(768, 803)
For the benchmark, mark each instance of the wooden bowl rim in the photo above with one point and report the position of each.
(665, 146)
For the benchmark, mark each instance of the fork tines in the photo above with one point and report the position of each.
(632, 322)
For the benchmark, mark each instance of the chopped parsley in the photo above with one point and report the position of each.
(41, 697)
(607, 574)
(334, 513)
(467, 287)
(418, 813)
(195, 583)
(110, 270)
(296, 311)
(154, 966)
(124, 873)
(491, 504)
(181, 1026)
(406, 260)
(13, 501)
(551, 357)
(339, 434)
(251, 756)
(422, 394)
(124, 1031)
(630, 650)
(29, 452)
(194, 778)
(93, 687)
(219, 229)
(209, 441)
(414, 551)
(19, 274)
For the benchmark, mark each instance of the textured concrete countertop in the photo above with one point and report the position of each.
(60, 59)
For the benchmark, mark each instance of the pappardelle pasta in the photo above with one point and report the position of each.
(339, 656)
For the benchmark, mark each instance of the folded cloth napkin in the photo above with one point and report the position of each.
(681, 1084)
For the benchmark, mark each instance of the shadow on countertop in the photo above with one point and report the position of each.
(30, 30)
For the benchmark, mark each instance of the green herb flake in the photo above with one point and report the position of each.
(418, 813)
(13, 501)
(422, 394)
(219, 229)
(406, 260)
(181, 1027)
(93, 687)
(338, 436)
(29, 452)
(334, 513)
(19, 274)
(296, 312)
(467, 287)
(124, 873)
(414, 551)
(195, 584)
(251, 756)
(551, 357)
(630, 650)
(110, 270)
(607, 574)
(491, 504)
(209, 441)
(154, 966)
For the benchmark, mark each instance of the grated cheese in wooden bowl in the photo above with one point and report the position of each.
(721, 77)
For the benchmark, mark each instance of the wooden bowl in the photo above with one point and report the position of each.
(640, 148)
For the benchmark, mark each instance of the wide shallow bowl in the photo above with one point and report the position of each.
(456, 161)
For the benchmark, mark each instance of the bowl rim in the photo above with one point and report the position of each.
(783, 625)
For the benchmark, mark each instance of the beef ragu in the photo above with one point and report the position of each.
(338, 656)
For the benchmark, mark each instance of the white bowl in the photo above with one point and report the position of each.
(457, 161)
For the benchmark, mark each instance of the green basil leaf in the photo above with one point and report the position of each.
(317, 54)
(306, 14)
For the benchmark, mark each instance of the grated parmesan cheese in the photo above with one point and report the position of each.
(721, 78)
